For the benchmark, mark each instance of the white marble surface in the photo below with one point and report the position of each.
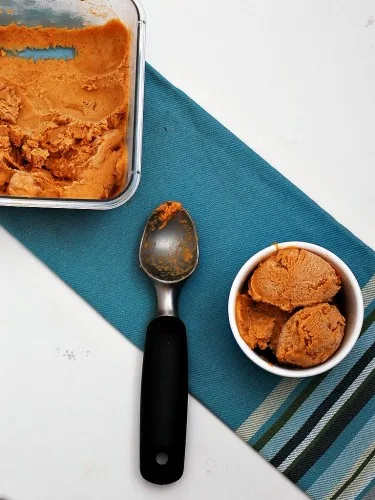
(295, 80)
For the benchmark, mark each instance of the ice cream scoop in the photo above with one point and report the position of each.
(169, 255)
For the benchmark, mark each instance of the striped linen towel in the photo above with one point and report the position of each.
(319, 431)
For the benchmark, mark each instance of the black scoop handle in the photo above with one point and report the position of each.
(164, 399)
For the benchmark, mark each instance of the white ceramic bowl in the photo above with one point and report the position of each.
(352, 301)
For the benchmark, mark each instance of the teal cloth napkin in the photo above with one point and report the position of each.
(317, 431)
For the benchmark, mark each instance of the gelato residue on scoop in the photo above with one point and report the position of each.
(166, 211)
(286, 309)
(63, 122)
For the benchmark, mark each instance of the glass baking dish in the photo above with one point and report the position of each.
(82, 13)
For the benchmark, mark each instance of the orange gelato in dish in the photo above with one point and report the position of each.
(259, 324)
(311, 336)
(63, 122)
(294, 277)
(285, 310)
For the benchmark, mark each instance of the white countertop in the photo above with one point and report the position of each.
(295, 80)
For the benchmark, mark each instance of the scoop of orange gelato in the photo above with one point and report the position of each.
(311, 336)
(259, 324)
(294, 277)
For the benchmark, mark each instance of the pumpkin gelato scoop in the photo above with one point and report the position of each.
(311, 336)
(259, 324)
(294, 277)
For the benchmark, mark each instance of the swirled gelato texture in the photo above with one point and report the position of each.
(294, 277)
(63, 122)
(259, 324)
(311, 336)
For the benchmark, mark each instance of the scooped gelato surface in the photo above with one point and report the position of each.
(311, 336)
(294, 277)
(284, 309)
(259, 324)
(63, 122)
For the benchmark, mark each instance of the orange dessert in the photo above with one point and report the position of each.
(166, 211)
(285, 309)
(311, 336)
(292, 278)
(259, 324)
(63, 122)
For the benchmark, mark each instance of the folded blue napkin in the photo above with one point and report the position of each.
(317, 431)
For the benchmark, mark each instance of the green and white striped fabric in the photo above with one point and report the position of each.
(311, 417)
